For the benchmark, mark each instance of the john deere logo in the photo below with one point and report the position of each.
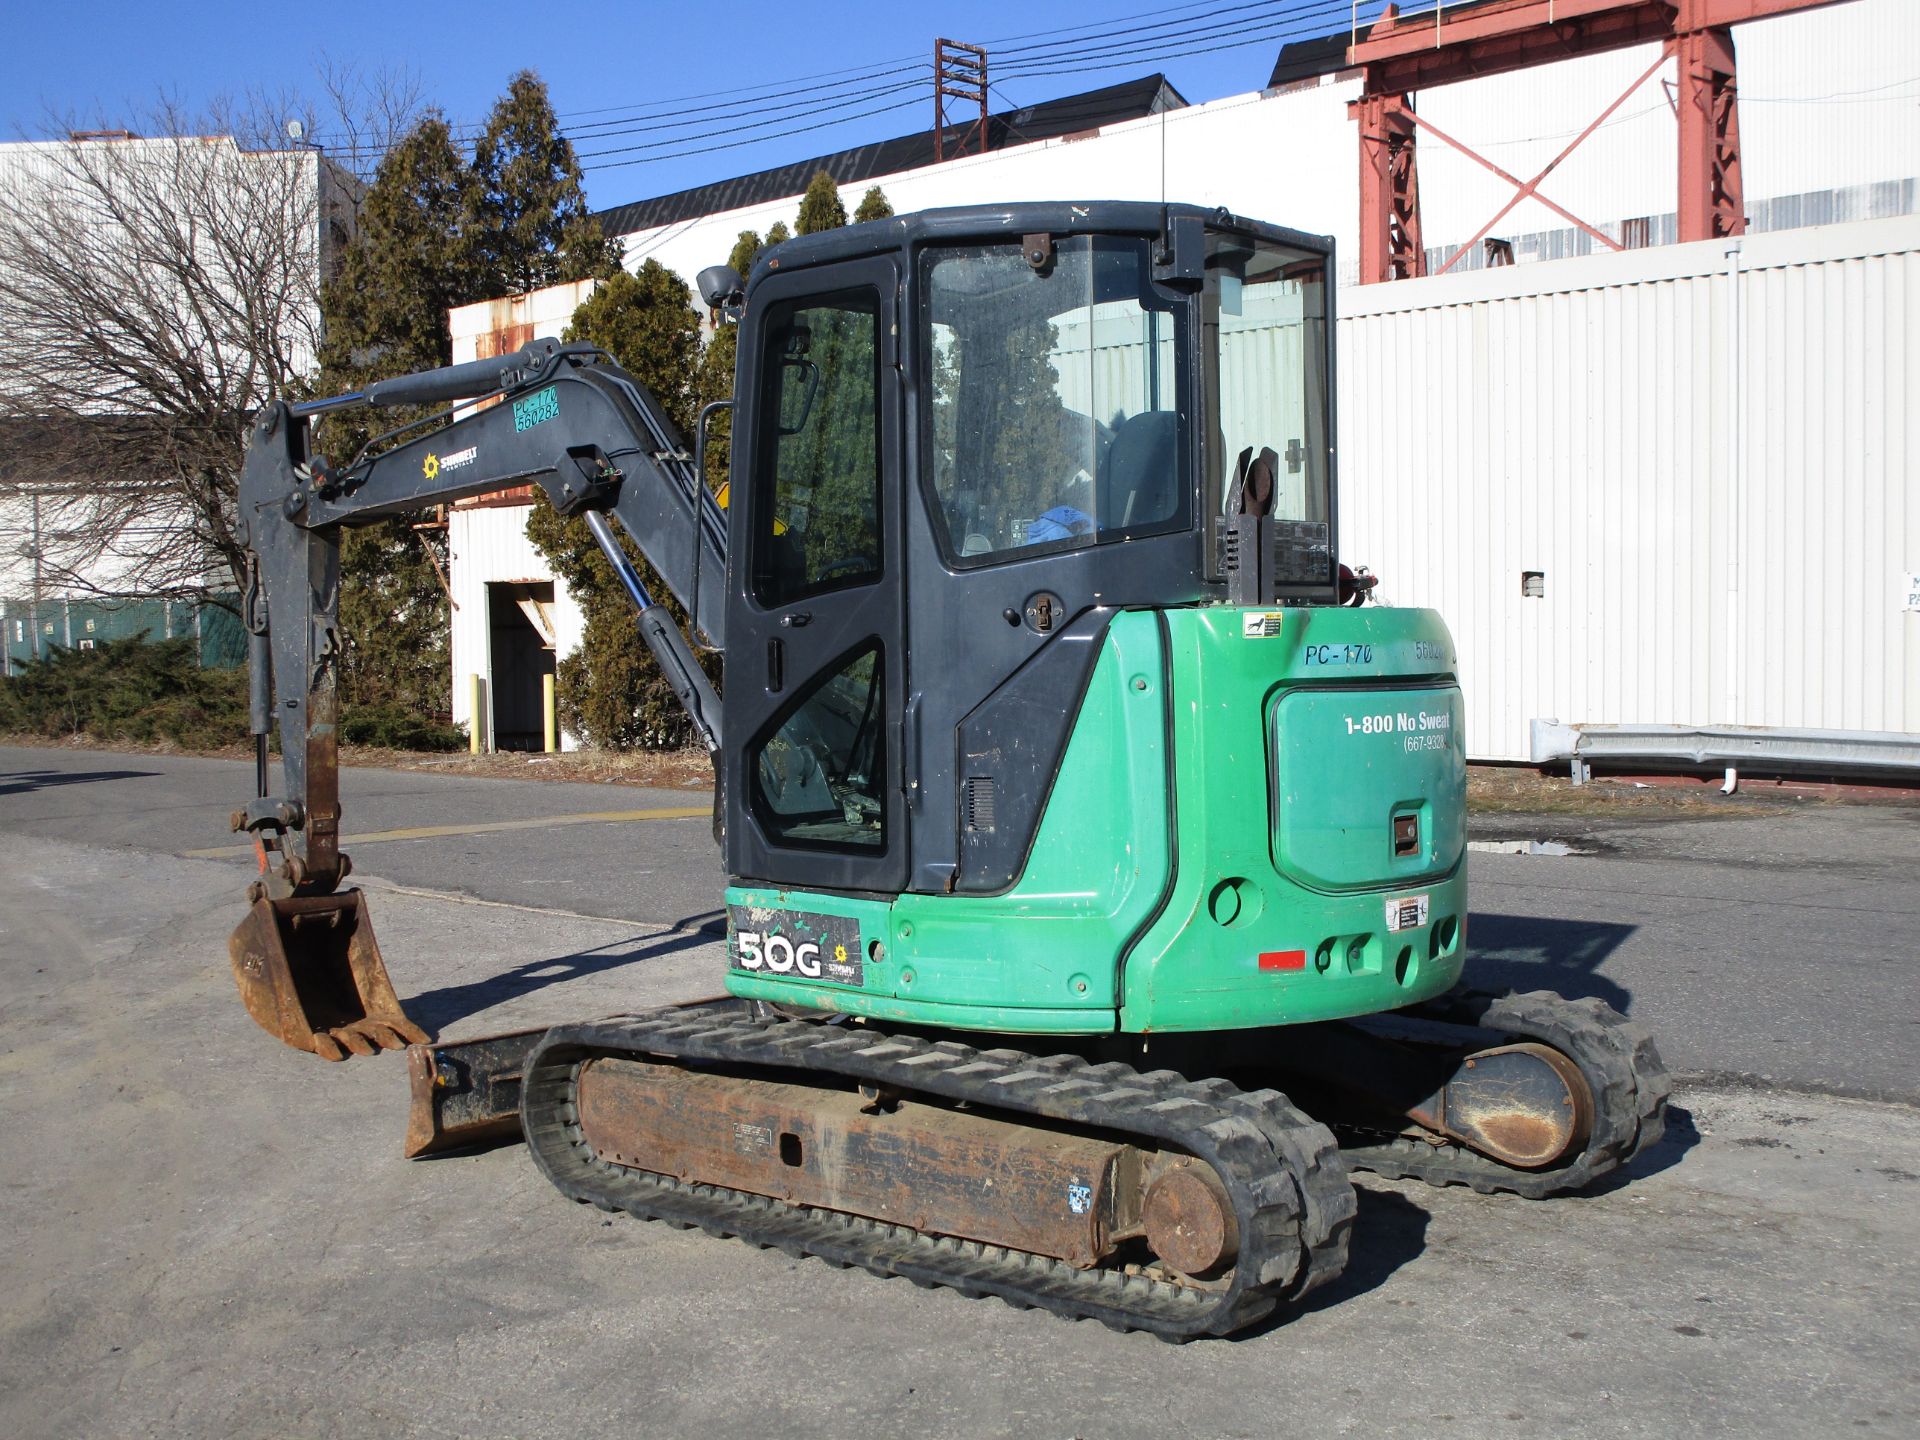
(430, 467)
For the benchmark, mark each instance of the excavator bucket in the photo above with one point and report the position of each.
(310, 972)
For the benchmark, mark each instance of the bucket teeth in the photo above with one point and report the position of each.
(367, 1037)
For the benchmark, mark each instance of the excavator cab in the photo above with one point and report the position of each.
(1017, 495)
(965, 440)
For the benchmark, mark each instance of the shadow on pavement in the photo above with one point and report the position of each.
(438, 1009)
(23, 782)
(1389, 1231)
(1680, 1137)
(1526, 952)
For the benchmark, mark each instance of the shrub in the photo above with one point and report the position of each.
(133, 690)
(127, 690)
(396, 727)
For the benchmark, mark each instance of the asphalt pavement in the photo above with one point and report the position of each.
(1782, 948)
(207, 1233)
(661, 870)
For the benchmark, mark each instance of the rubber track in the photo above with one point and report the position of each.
(1617, 1056)
(1292, 1198)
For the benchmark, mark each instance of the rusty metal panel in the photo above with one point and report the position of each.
(938, 1170)
(505, 336)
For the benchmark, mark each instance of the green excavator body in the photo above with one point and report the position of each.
(1259, 819)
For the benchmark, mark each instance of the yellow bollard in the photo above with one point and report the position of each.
(549, 719)
(476, 734)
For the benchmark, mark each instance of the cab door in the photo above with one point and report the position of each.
(816, 659)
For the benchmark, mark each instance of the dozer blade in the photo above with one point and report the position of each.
(466, 1092)
(310, 972)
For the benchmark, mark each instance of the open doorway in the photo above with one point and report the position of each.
(520, 622)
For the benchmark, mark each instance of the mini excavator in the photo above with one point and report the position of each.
(1097, 856)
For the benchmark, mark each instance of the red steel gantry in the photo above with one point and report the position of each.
(1464, 42)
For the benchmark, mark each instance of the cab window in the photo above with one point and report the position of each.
(818, 474)
(1055, 417)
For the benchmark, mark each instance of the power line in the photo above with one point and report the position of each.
(1146, 32)
(1198, 28)
(877, 68)
(737, 144)
(1001, 42)
(923, 66)
(758, 125)
(1116, 41)
(1248, 33)
(1061, 58)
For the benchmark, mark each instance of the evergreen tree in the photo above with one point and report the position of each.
(778, 234)
(529, 214)
(874, 205)
(434, 234)
(820, 207)
(385, 314)
(646, 321)
(746, 250)
(611, 693)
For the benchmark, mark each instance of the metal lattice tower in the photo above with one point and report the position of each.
(959, 73)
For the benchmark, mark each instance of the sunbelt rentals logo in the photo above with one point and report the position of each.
(434, 464)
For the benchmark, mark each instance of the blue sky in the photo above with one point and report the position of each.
(620, 72)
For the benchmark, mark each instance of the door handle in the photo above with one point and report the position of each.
(796, 619)
(776, 665)
(910, 749)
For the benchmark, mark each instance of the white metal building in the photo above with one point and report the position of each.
(1698, 455)
(511, 617)
(1673, 486)
(107, 542)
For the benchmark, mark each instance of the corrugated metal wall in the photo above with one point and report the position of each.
(1831, 369)
(1705, 455)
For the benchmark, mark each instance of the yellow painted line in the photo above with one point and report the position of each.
(430, 832)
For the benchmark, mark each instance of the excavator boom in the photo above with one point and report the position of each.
(562, 417)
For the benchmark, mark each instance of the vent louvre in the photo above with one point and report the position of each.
(978, 805)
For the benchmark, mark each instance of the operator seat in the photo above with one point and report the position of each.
(1142, 482)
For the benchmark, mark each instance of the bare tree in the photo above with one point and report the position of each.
(155, 293)
(367, 112)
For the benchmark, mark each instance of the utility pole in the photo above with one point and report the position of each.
(959, 73)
